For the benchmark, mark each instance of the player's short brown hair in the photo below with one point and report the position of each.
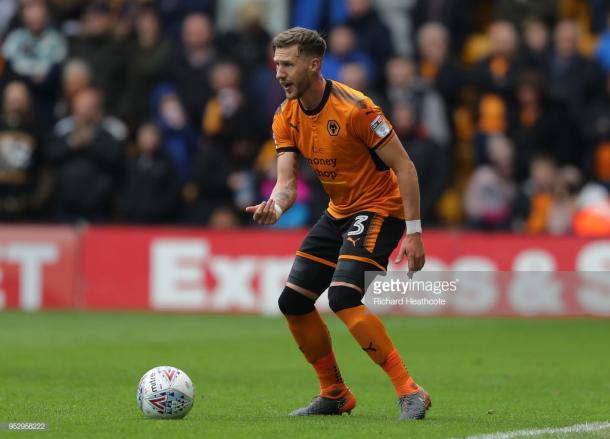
(308, 41)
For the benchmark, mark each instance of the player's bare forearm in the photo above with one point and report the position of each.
(394, 155)
(409, 189)
(284, 193)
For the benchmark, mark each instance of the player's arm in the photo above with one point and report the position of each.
(284, 193)
(394, 155)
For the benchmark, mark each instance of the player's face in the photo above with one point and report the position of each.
(292, 70)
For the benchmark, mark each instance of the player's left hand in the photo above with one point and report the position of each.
(265, 212)
(412, 247)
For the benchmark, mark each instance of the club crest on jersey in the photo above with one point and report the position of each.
(333, 127)
(380, 126)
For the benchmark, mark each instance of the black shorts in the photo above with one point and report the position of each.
(343, 249)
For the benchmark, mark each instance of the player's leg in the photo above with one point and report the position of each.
(369, 250)
(309, 277)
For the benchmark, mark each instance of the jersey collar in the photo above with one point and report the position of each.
(327, 88)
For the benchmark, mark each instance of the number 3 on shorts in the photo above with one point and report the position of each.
(359, 228)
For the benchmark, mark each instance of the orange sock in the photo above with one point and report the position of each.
(398, 373)
(331, 382)
(313, 339)
(370, 333)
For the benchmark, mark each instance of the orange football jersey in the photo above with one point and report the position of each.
(338, 140)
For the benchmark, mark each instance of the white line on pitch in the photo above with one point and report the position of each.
(577, 428)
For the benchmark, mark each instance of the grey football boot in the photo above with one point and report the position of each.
(414, 405)
(322, 405)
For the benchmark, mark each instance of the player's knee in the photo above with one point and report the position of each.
(294, 303)
(341, 297)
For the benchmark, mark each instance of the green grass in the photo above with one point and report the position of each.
(79, 372)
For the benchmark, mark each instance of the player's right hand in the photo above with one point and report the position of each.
(265, 212)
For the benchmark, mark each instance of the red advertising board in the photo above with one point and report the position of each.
(244, 271)
(187, 270)
(38, 267)
(173, 269)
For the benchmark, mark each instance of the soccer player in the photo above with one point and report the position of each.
(373, 189)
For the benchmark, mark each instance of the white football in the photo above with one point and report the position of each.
(165, 392)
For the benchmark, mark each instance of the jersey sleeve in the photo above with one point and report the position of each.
(370, 124)
(282, 135)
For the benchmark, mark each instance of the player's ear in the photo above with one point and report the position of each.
(315, 65)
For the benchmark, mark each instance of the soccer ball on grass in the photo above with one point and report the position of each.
(165, 392)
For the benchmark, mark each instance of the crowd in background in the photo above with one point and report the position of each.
(145, 111)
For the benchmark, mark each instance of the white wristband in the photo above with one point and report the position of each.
(413, 226)
(278, 209)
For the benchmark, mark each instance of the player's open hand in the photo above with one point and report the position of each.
(265, 213)
(412, 247)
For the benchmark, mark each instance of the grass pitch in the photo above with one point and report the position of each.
(79, 372)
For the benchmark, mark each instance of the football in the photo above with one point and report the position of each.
(165, 392)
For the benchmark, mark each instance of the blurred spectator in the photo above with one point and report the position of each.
(249, 41)
(536, 127)
(593, 216)
(594, 125)
(456, 15)
(209, 190)
(372, 35)
(179, 136)
(23, 182)
(174, 12)
(538, 190)
(342, 50)
(229, 129)
(34, 53)
(355, 75)
(97, 46)
(76, 76)
(518, 11)
(551, 192)
(264, 91)
(151, 190)
(404, 86)
(436, 66)
(88, 161)
(431, 162)
(536, 47)
(148, 56)
(497, 72)
(566, 188)
(573, 80)
(191, 64)
(395, 14)
(223, 218)
(491, 192)
(274, 14)
(493, 116)
(319, 14)
(227, 115)
(574, 83)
